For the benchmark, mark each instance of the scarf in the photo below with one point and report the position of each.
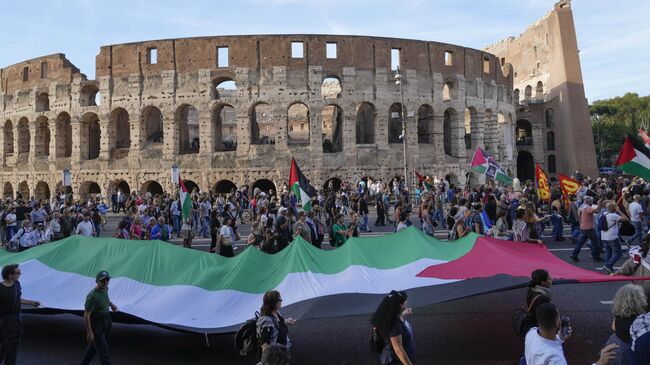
(542, 290)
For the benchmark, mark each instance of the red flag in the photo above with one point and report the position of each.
(543, 190)
(568, 186)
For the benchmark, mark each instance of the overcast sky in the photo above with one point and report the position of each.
(613, 35)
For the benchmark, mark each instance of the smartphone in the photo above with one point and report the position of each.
(565, 327)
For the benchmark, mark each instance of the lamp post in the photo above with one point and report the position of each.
(398, 81)
(175, 174)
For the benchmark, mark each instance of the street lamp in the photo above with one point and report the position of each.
(398, 81)
(175, 174)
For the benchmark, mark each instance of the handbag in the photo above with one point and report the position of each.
(521, 321)
(376, 342)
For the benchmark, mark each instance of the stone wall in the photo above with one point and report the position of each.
(132, 123)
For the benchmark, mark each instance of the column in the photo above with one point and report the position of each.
(439, 137)
(32, 142)
(54, 140)
(171, 136)
(206, 134)
(77, 140)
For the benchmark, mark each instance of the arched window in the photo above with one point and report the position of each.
(515, 96)
(9, 138)
(90, 136)
(23, 136)
(298, 124)
(42, 102)
(471, 124)
(224, 122)
(550, 141)
(551, 164)
(63, 135)
(366, 114)
(119, 133)
(448, 131)
(263, 130)
(539, 90)
(395, 123)
(187, 124)
(524, 133)
(528, 94)
(331, 88)
(42, 138)
(223, 88)
(446, 91)
(549, 118)
(89, 95)
(425, 124)
(152, 126)
(332, 129)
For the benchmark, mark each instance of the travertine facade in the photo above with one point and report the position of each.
(553, 126)
(234, 109)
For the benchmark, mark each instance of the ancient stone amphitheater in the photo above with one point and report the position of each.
(233, 110)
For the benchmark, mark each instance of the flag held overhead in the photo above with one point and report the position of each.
(301, 186)
(634, 158)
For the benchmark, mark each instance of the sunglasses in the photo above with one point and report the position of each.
(105, 280)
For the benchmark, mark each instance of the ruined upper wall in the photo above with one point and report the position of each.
(263, 52)
(38, 73)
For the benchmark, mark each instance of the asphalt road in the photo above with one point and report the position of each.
(468, 331)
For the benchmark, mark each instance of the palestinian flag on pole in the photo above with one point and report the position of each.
(194, 289)
(426, 184)
(485, 164)
(186, 200)
(634, 158)
(644, 136)
(301, 186)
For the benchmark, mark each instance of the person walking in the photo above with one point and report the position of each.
(538, 292)
(272, 327)
(636, 218)
(10, 324)
(390, 323)
(587, 230)
(610, 237)
(97, 320)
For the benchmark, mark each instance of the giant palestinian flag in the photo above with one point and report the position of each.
(634, 158)
(485, 164)
(301, 186)
(173, 287)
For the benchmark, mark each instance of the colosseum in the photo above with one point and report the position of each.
(232, 110)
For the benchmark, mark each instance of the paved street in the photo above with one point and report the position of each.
(469, 331)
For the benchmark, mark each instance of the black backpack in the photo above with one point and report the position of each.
(246, 341)
(376, 342)
(602, 223)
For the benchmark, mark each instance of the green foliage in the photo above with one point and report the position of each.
(616, 118)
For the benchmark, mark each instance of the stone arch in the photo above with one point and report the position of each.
(471, 125)
(224, 187)
(23, 136)
(60, 189)
(120, 185)
(63, 143)
(224, 128)
(539, 90)
(187, 125)
(42, 191)
(89, 190)
(42, 137)
(395, 123)
(524, 133)
(525, 166)
(331, 87)
(42, 102)
(515, 96)
(452, 179)
(550, 140)
(528, 93)
(451, 133)
(264, 185)
(223, 87)
(549, 118)
(552, 168)
(153, 188)
(152, 127)
(119, 133)
(425, 124)
(446, 91)
(7, 190)
(8, 132)
(89, 95)
(191, 185)
(298, 124)
(332, 184)
(23, 191)
(90, 136)
(365, 126)
(263, 130)
(332, 119)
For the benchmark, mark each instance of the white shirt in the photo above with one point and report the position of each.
(636, 212)
(10, 219)
(612, 222)
(540, 351)
(85, 228)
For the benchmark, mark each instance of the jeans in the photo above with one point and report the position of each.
(205, 225)
(439, 215)
(101, 346)
(9, 349)
(557, 226)
(615, 246)
(586, 234)
(638, 233)
(11, 231)
(575, 233)
(176, 221)
(364, 223)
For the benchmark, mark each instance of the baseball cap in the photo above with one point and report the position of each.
(102, 275)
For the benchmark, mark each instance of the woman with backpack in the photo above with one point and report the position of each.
(272, 328)
(390, 324)
(539, 292)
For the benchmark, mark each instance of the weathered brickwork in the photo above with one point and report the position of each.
(240, 119)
